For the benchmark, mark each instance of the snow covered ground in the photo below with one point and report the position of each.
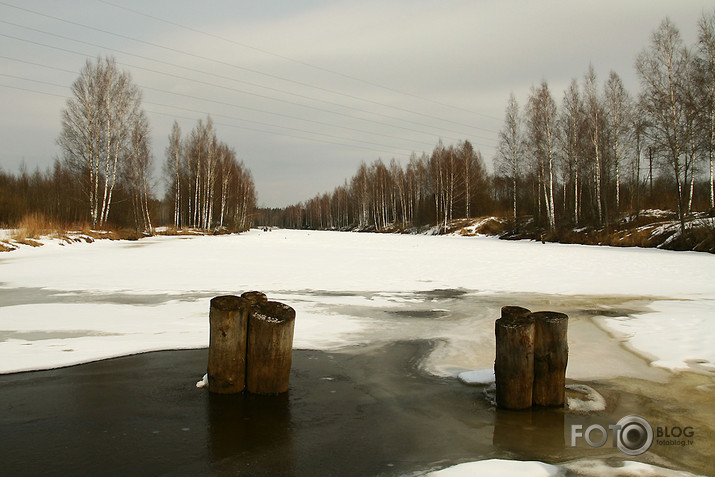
(63, 305)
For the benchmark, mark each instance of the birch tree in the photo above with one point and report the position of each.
(541, 118)
(97, 126)
(468, 158)
(594, 118)
(706, 66)
(172, 168)
(571, 121)
(137, 173)
(618, 112)
(510, 150)
(661, 68)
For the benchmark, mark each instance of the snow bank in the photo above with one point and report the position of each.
(677, 334)
(584, 468)
(499, 468)
(477, 377)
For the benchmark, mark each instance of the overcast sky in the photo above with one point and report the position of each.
(306, 90)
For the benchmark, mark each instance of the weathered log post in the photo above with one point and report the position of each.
(255, 297)
(514, 364)
(269, 349)
(228, 319)
(551, 353)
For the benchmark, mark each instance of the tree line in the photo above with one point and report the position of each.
(597, 155)
(209, 185)
(103, 175)
(450, 183)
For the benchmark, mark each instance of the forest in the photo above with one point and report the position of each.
(585, 158)
(103, 176)
(599, 155)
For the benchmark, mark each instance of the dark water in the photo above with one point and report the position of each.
(366, 411)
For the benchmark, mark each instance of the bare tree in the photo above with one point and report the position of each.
(618, 112)
(468, 157)
(594, 118)
(137, 172)
(541, 118)
(173, 166)
(97, 126)
(706, 66)
(662, 69)
(571, 125)
(510, 150)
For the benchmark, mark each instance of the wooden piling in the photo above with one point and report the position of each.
(514, 364)
(550, 358)
(228, 319)
(255, 297)
(269, 347)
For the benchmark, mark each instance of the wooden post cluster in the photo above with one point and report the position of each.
(250, 344)
(531, 358)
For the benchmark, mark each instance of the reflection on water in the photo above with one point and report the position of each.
(362, 411)
(245, 428)
(536, 433)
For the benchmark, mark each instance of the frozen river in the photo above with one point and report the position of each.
(641, 329)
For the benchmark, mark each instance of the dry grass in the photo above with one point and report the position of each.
(650, 229)
(34, 226)
(6, 247)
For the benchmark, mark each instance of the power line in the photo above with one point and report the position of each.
(375, 146)
(233, 79)
(228, 88)
(63, 96)
(300, 62)
(283, 135)
(243, 68)
(223, 103)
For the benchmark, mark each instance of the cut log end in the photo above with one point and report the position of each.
(514, 312)
(227, 303)
(255, 297)
(273, 312)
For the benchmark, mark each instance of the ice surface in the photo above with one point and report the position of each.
(153, 294)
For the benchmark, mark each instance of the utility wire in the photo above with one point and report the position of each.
(232, 79)
(297, 118)
(300, 62)
(232, 65)
(218, 123)
(396, 126)
(375, 146)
